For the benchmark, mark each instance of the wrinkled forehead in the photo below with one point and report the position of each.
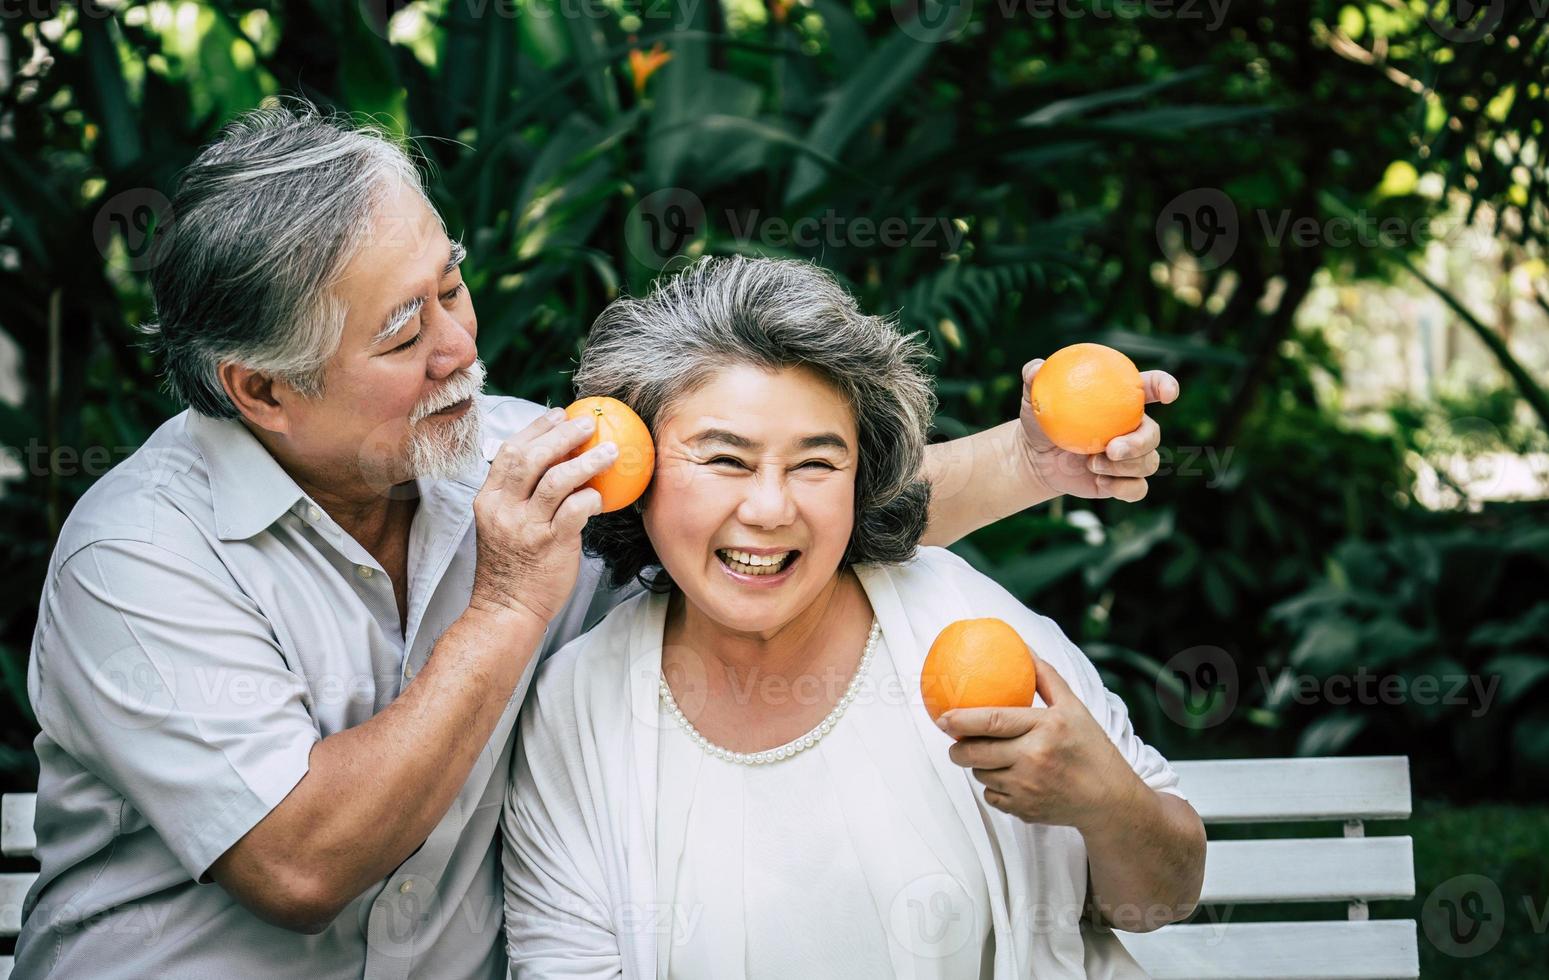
(770, 407)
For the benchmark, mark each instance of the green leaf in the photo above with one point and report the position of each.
(1129, 542)
(1519, 673)
(1329, 647)
(1026, 576)
(1330, 734)
(870, 88)
(1078, 107)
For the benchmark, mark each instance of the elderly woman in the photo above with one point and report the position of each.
(733, 775)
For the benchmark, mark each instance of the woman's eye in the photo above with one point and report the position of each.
(818, 463)
(408, 343)
(726, 461)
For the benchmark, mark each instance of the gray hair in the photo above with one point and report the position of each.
(772, 314)
(264, 221)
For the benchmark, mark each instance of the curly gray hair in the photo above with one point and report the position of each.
(773, 314)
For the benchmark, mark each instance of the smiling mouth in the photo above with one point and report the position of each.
(453, 408)
(744, 563)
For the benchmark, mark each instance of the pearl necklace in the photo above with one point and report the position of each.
(792, 747)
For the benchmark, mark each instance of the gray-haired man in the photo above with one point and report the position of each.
(281, 648)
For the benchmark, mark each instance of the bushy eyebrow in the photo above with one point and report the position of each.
(823, 440)
(406, 311)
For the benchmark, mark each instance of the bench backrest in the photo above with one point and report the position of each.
(16, 840)
(1353, 869)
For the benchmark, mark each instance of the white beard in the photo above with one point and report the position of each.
(440, 450)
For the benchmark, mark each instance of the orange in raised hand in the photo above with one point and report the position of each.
(978, 663)
(1085, 395)
(622, 483)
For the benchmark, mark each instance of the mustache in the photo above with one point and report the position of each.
(465, 384)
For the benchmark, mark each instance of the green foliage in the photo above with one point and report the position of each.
(1028, 160)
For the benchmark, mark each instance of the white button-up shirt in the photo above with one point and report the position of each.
(202, 626)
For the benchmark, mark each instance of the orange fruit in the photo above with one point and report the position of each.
(1085, 395)
(622, 483)
(978, 663)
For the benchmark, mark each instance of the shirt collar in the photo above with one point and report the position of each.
(248, 487)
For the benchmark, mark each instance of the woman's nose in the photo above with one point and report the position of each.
(768, 503)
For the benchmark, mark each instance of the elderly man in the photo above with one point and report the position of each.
(281, 648)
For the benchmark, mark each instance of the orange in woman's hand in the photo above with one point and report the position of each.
(622, 483)
(978, 663)
(1086, 395)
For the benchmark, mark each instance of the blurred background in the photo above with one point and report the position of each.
(1328, 220)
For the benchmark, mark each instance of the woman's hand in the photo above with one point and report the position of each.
(1145, 850)
(1120, 471)
(1051, 765)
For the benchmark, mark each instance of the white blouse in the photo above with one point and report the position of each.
(846, 861)
(852, 837)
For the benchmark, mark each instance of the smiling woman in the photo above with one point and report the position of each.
(759, 317)
(739, 751)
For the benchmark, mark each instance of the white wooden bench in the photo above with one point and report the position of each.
(1353, 868)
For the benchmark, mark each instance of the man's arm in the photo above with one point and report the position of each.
(373, 793)
(980, 479)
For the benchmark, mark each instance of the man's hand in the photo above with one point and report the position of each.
(1051, 765)
(1120, 471)
(529, 516)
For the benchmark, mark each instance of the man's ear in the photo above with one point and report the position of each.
(261, 399)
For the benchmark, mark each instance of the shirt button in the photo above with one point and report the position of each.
(408, 672)
(406, 887)
(364, 571)
(313, 514)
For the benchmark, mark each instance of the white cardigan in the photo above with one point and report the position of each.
(580, 819)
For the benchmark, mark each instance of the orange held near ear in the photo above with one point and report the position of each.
(978, 663)
(1086, 395)
(622, 483)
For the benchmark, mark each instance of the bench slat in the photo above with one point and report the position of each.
(6, 963)
(16, 834)
(1378, 950)
(1332, 869)
(1264, 790)
(13, 891)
